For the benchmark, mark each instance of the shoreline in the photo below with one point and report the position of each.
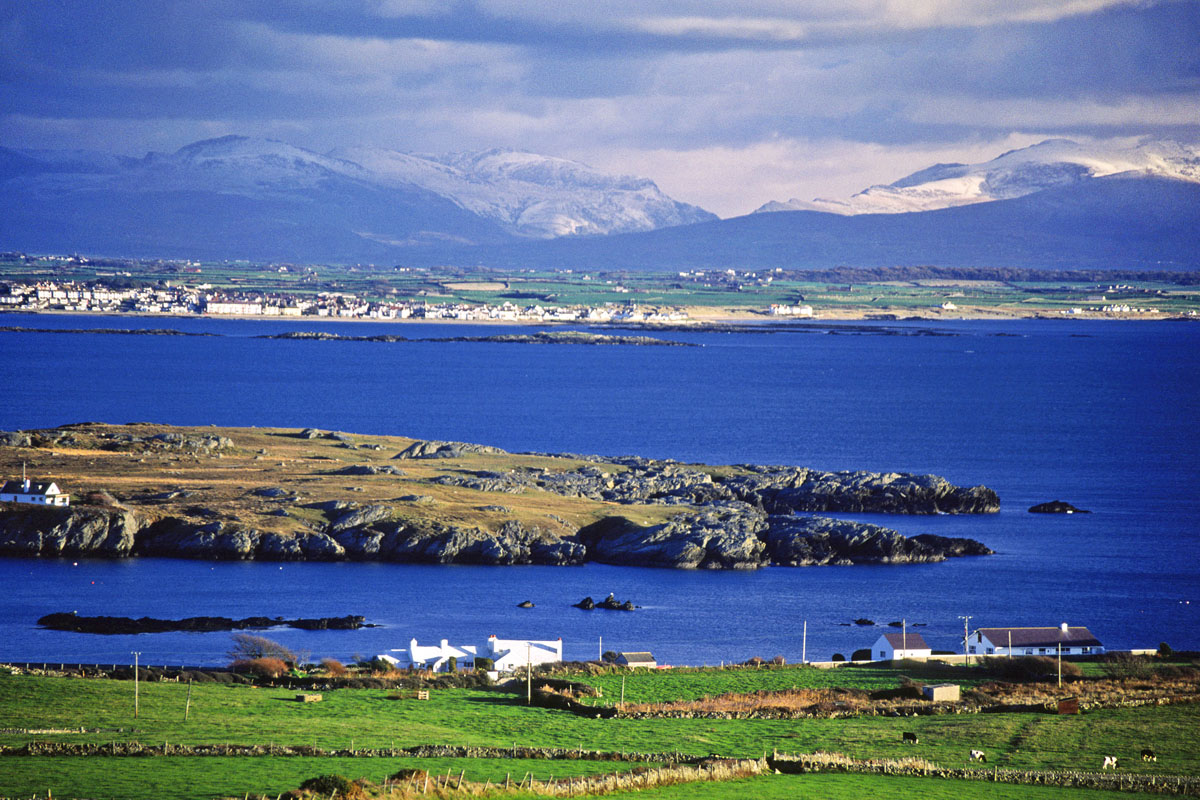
(699, 319)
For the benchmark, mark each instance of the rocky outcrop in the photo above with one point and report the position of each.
(67, 531)
(435, 449)
(127, 625)
(805, 541)
(1056, 507)
(717, 538)
(777, 490)
(730, 535)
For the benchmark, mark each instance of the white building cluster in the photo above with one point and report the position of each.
(506, 655)
(55, 296)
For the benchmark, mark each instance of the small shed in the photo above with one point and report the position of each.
(941, 692)
(641, 659)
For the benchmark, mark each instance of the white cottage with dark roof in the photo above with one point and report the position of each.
(891, 646)
(39, 494)
(1075, 641)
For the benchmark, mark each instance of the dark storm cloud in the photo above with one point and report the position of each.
(598, 79)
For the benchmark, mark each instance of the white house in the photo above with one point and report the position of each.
(41, 494)
(1074, 640)
(637, 659)
(891, 646)
(508, 655)
(435, 658)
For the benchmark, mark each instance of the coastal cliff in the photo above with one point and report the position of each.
(226, 500)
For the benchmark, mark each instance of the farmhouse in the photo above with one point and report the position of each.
(1074, 640)
(640, 659)
(435, 658)
(900, 645)
(25, 491)
(507, 655)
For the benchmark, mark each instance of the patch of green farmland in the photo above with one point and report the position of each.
(199, 778)
(856, 787)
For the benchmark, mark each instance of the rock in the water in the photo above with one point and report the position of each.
(525, 604)
(587, 604)
(805, 541)
(864, 621)
(1056, 507)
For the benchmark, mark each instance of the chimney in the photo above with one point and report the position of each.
(1064, 627)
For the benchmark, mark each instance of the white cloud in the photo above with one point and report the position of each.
(1127, 112)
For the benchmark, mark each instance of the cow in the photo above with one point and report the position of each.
(1109, 762)
(1148, 755)
(908, 736)
(979, 755)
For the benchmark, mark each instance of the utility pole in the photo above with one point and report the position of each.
(136, 653)
(528, 674)
(600, 651)
(1060, 665)
(804, 645)
(966, 637)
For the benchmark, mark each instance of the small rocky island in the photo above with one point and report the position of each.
(70, 621)
(294, 495)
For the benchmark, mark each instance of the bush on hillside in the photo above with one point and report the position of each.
(247, 647)
(333, 667)
(262, 667)
(1032, 668)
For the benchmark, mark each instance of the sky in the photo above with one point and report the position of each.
(727, 105)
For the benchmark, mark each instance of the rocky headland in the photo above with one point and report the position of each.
(282, 495)
(540, 337)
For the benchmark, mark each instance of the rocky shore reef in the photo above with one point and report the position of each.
(774, 489)
(730, 536)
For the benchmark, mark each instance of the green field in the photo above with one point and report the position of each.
(361, 718)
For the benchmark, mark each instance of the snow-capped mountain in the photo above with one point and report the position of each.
(533, 195)
(1050, 164)
(239, 197)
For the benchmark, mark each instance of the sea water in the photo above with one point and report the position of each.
(1102, 414)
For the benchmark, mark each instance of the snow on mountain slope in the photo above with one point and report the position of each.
(1049, 164)
(533, 195)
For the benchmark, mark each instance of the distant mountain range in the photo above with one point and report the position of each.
(1056, 205)
(237, 197)
(1017, 173)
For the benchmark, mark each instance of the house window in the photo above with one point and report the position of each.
(1041, 650)
(882, 654)
(972, 648)
(1087, 649)
(1028, 651)
(991, 650)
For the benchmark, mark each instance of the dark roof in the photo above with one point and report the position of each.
(910, 641)
(17, 487)
(631, 657)
(1074, 636)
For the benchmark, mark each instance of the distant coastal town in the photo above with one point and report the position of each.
(184, 300)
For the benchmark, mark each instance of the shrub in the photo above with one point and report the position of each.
(483, 664)
(609, 656)
(1033, 668)
(779, 661)
(452, 664)
(262, 667)
(861, 655)
(1125, 665)
(247, 647)
(334, 667)
(328, 784)
(1165, 650)
(838, 657)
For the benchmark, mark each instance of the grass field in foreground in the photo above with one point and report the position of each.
(367, 718)
(180, 778)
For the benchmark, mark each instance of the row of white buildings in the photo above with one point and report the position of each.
(55, 296)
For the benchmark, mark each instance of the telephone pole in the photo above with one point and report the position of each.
(966, 636)
(136, 653)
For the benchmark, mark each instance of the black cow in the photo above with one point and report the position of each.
(908, 736)
(1148, 755)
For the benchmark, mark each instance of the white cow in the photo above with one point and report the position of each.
(1109, 762)
(979, 755)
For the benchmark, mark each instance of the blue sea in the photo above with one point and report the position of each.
(1105, 415)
